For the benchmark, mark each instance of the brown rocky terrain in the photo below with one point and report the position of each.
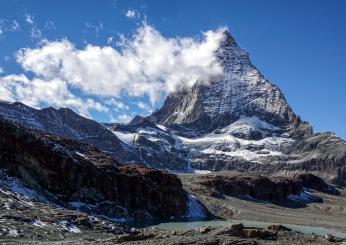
(79, 176)
(274, 189)
(221, 194)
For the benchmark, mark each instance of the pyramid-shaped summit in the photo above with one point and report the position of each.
(243, 91)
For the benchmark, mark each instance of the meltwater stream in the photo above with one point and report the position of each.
(247, 223)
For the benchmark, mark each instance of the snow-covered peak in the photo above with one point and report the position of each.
(243, 91)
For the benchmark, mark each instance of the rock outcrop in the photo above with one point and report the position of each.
(259, 188)
(79, 176)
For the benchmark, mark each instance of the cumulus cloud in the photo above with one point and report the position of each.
(52, 92)
(147, 64)
(144, 65)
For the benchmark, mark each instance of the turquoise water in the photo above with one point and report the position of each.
(300, 228)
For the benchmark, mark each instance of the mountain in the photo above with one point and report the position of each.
(240, 122)
(78, 176)
(242, 92)
(66, 123)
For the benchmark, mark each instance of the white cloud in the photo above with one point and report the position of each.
(116, 104)
(109, 40)
(1, 70)
(29, 19)
(49, 25)
(145, 107)
(97, 28)
(132, 14)
(147, 64)
(8, 26)
(35, 32)
(123, 118)
(15, 26)
(53, 92)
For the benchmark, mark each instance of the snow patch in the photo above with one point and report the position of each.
(73, 228)
(163, 128)
(82, 155)
(38, 223)
(127, 138)
(195, 209)
(13, 233)
(305, 196)
(198, 171)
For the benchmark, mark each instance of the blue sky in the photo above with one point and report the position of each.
(298, 45)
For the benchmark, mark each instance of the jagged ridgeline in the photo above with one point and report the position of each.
(240, 122)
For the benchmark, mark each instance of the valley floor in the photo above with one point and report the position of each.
(24, 221)
(330, 213)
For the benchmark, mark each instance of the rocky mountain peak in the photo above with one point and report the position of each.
(243, 91)
(228, 40)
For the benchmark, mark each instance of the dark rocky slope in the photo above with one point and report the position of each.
(80, 176)
(67, 124)
(256, 187)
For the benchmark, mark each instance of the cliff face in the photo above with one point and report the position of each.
(79, 176)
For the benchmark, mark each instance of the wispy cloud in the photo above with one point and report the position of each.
(29, 19)
(49, 25)
(8, 26)
(96, 28)
(35, 31)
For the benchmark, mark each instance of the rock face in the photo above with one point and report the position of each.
(242, 92)
(66, 123)
(279, 190)
(79, 176)
(250, 186)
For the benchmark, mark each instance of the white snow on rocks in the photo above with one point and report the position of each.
(199, 171)
(303, 197)
(14, 186)
(127, 138)
(13, 233)
(195, 209)
(246, 125)
(38, 223)
(73, 228)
